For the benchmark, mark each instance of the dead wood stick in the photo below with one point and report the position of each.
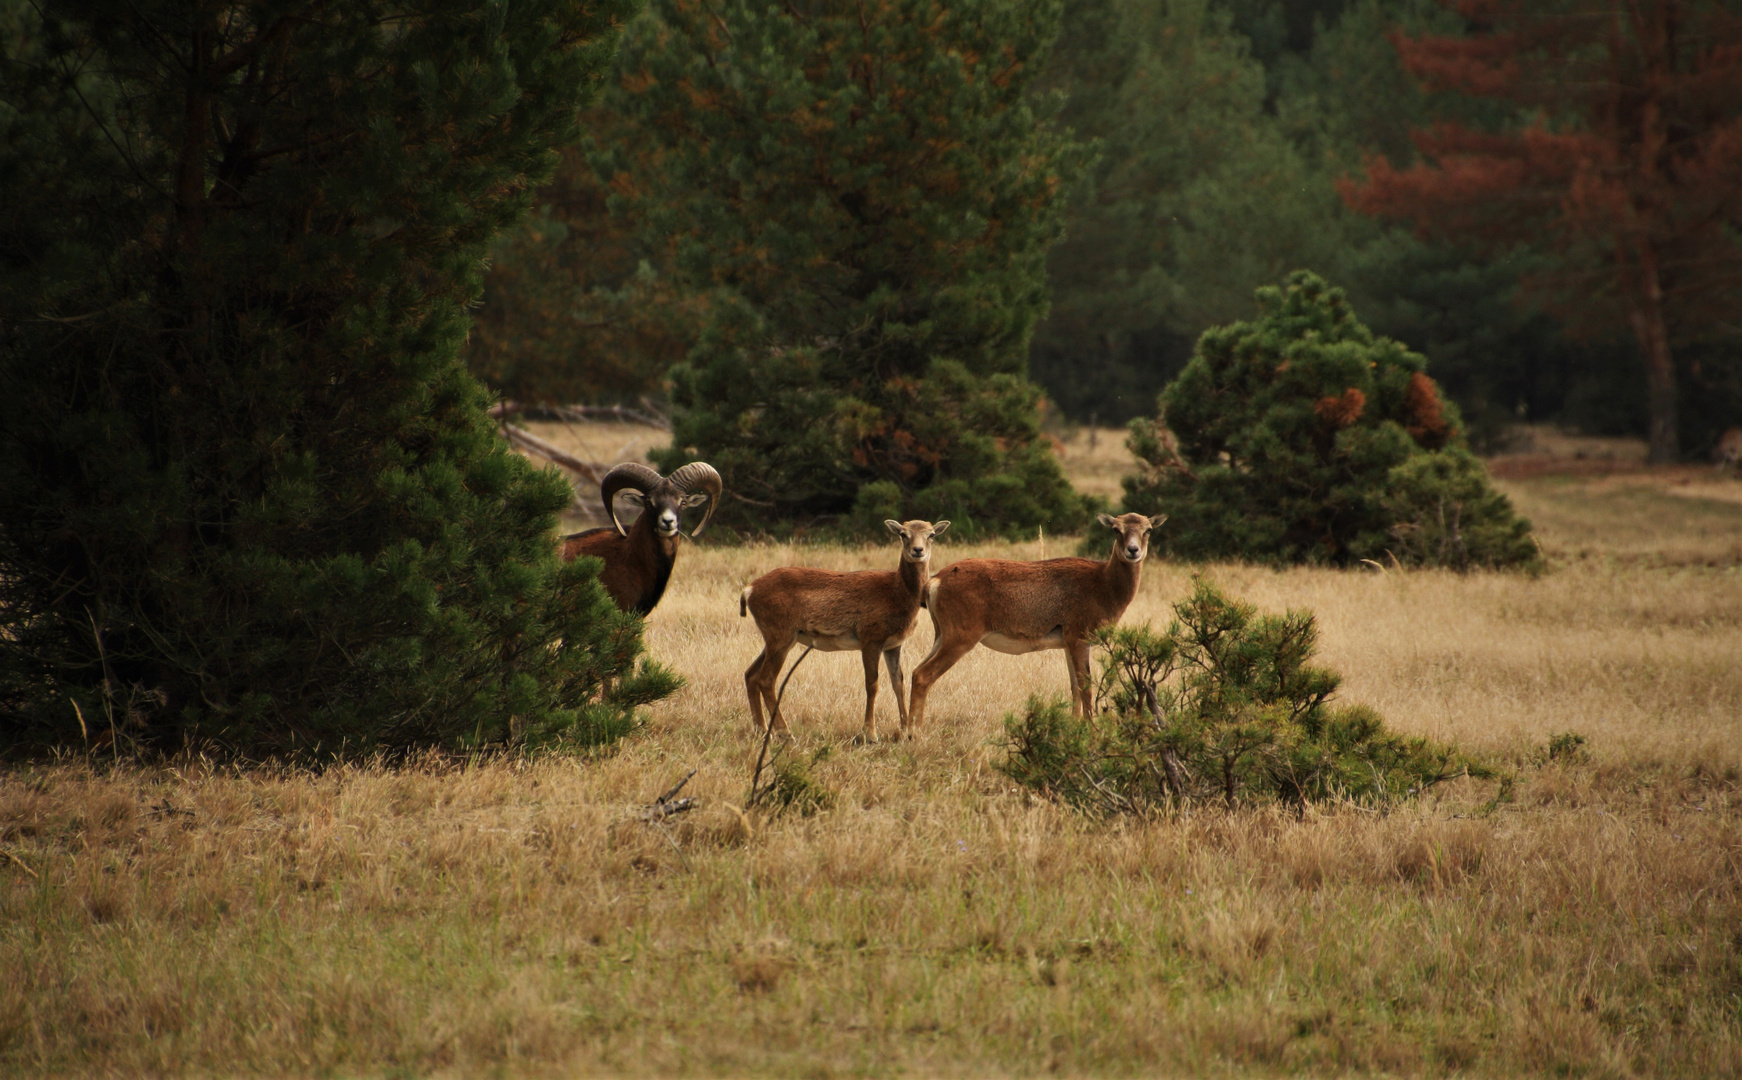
(645, 417)
(1170, 761)
(756, 776)
(768, 732)
(668, 805)
(520, 438)
(675, 788)
(781, 696)
(661, 811)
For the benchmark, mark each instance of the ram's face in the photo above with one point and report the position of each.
(661, 509)
(666, 506)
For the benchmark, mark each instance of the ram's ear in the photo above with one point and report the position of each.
(894, 526)
(633, 498)
(1108, 520)
(695, 498)
(940, 528)
(1155, 522)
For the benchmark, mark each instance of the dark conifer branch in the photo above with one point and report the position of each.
(249, 446)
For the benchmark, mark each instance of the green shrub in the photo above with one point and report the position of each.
(1224, 705)
(1302, 437)
(1568, 746)
(1443, 512)
(784, 783)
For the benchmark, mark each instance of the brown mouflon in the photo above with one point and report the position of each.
(638, 560)
(871, 611)
(1020, 607)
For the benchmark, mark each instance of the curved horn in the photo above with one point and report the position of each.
(699, 474)
(630, 474)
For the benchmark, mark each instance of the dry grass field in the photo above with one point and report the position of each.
(513, 917)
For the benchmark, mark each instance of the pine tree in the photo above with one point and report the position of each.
(248, 494)
(1621, 155)
(1196, 197)
(1300, 436)
(864, 196)
(573, 310)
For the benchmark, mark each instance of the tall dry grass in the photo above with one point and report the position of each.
(1644, 664)
(513, 916)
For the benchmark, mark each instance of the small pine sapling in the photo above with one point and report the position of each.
(1226, 705)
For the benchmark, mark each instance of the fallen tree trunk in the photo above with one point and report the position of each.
(522, 439)
(649, 417)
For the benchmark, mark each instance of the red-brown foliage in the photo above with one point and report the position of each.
(1424, 415)
(1339, 412)
(1629, 168)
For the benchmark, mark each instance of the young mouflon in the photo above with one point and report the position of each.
(1020, 607)
(870, 611)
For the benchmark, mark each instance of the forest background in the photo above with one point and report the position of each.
(1214, 135)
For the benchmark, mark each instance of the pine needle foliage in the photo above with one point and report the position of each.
(788, 783)
(1224, 705)
(866, 195)
(1302, 437)
(249, 498)
(572, 309)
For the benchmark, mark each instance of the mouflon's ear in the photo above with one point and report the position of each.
(1155, 522)
(940, 528)
(894, 526)
(1108, 520)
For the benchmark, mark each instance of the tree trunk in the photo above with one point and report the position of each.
(190, 173)
(1653, 336)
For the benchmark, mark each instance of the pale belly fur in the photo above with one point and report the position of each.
(1018, 646)
(848, 642)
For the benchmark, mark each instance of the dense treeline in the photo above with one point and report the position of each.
(1219, 132)
(249, 494)
(1618, 159)
(840, 213)
(1224, 129)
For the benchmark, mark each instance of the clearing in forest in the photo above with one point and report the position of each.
(448, 917)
